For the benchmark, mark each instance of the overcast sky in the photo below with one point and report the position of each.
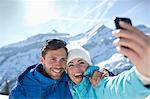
(21, 19)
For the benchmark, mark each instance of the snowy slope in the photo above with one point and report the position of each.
(116, 64)
(100, 43)
(3, 97)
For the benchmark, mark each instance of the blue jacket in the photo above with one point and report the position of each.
(124, 86)
(32, 84)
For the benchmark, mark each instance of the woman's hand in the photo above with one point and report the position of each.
(96, 78)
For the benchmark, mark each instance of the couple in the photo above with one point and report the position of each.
(49, 79)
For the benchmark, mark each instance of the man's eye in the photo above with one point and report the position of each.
(64, 60)
(53, 59)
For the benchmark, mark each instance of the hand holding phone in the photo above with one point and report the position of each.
(117, 19)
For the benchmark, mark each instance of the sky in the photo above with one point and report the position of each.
(21, 19)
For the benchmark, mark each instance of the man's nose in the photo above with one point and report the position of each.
(58, 62)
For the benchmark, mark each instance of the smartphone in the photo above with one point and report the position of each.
(117, 19)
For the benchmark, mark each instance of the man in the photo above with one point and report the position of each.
(48, 79)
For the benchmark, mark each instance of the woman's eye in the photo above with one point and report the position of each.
(81, 62)
(70, 65)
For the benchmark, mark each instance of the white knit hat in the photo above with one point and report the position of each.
(79, 53)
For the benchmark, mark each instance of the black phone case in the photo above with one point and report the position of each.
(117, 19)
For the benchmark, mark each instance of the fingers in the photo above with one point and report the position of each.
(130, 35)
(127, 26)
(94, 81)
(131, 38)
(96, 77)
(130, 32)
(131, 54)
(96, 74)
(130, 44)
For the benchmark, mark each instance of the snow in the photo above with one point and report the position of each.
(3, 97)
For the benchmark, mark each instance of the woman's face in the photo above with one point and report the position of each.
(76, 68)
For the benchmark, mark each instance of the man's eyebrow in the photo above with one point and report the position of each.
(51, 57)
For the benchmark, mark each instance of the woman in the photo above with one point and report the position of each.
(126, 85)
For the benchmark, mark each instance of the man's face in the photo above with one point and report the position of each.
(76, 68)
(54, 63)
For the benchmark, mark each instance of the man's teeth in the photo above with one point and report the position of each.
(78, 74)
(57, 70)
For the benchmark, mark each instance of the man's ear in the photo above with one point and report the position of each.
(41, 59)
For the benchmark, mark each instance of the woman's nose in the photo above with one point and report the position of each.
(78, 66)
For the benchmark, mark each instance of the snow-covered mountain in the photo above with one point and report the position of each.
(14, 58)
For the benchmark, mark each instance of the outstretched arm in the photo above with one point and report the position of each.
(138, 47)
